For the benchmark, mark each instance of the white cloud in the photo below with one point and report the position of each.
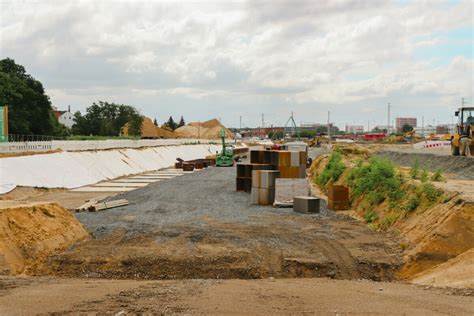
(345, 54)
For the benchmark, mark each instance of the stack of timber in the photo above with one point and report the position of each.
(338, 197)
(263, 186)
(94, 206)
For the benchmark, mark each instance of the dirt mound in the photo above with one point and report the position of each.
(149, 130)
(22, 193)
(460, 167)
(207, 130)
(457, 273)
(29, 234)
(439, 234)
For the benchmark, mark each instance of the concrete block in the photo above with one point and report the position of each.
(306, 204)
(286, 189)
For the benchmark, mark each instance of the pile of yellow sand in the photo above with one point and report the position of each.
(457, 272)
(206, 130)
(149, 130)
(29, 234)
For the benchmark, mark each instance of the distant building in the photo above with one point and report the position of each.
(354, 129)
(425, 130)
(64, 117)
(383, 128)
(400, 121)
(313, 126)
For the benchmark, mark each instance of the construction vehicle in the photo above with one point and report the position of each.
(462, 142)
(226, 157)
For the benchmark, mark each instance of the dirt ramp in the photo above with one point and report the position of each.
(31, 233)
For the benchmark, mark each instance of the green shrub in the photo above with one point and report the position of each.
(424, 176)
(389, 219)
(377, 179)
(413, 203)
(333, 170)
(437, 176)
(415, 169)
(431, 192)
(370, 216)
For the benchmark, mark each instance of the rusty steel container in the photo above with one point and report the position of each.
(338, 193)
(264, 178)
(188, 166)
(338, 205)
(261, 196)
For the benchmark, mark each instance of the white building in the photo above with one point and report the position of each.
(354, 129)
(65, 117)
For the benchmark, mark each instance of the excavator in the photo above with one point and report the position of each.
(226, 157)
(462, 142)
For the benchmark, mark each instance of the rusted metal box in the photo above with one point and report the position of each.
(264, 178)
(338, 193)
(262, 196)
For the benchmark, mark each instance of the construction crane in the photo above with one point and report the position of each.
(462, 142)
(226, 157)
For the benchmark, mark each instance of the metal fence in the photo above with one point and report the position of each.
(35, 144)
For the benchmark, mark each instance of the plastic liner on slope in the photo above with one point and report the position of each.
(75, 169)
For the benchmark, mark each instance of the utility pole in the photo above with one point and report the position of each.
(329, 126)
(423, 127)
(388, 119)
(368, 126)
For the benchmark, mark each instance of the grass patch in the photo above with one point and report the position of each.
(370, 217)
(333, 169)
(377, 180)
(437, 176)
(415, 169)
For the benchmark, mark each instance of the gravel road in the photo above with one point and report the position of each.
(180, 201)
(458, 167)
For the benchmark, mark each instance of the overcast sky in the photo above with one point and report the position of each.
(225, 60)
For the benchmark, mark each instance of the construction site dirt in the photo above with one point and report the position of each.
(197, 226)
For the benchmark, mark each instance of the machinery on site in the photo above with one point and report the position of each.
(462, 142)
(226, 157)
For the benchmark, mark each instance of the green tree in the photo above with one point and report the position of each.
(107, 119)
(181, 122)
(407, 128)
(171, 123)
(29, 108)
(155, 122)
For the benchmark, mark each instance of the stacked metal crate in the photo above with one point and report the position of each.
(292, 164)
(338, 197)
(244, 175)
(263, 186)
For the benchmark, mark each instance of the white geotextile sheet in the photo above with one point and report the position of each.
(75, 169)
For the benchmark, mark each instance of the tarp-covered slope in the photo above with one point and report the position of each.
(75, 169)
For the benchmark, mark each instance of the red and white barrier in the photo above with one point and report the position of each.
(431, 144)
